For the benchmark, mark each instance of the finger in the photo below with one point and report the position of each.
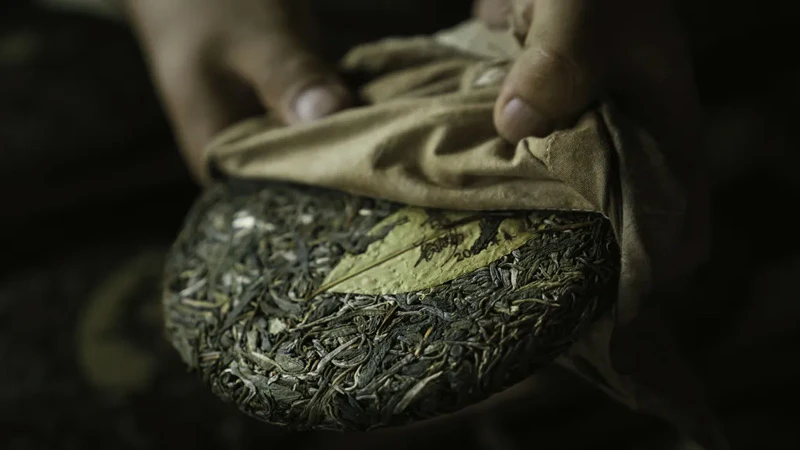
(200, 105)
(558, 74)
(289, 79)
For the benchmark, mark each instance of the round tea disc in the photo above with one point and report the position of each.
(315, 309)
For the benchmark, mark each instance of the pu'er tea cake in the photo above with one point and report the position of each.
(315, 309)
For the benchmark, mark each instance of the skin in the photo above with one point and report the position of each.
(215, 63)
(580, 51)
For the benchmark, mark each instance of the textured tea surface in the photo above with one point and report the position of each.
(314, 309)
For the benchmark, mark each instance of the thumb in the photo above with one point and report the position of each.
(290, 80)
(557, 76)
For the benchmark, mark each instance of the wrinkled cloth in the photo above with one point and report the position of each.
(426, 137)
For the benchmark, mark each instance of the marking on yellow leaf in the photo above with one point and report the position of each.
(417, 254)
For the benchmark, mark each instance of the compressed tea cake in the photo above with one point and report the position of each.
(315, 309)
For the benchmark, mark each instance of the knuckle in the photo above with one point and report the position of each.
(561, 78)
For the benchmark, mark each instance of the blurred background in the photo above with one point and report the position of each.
(92, 192)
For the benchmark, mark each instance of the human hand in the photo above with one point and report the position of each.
(217, 62)
(577, 51)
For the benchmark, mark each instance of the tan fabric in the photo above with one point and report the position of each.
(426, 138)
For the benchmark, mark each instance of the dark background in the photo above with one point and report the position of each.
(92, 192)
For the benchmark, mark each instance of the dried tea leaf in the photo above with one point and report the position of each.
(383, 315)
(419, 253)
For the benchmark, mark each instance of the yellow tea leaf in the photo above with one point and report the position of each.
(421, 252)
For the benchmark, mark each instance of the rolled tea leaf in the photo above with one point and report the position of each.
(315, 309)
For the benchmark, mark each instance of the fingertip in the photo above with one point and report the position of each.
(292, 82)
(318, 101)
(515, 119)
(546, 89)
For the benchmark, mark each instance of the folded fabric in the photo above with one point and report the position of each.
(426, 138)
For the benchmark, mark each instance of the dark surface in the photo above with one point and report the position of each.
(85, 148)
(59, 246)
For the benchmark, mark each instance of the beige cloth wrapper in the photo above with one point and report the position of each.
(426, 138)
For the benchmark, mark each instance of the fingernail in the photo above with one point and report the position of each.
(317, 102)
(522, 121)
